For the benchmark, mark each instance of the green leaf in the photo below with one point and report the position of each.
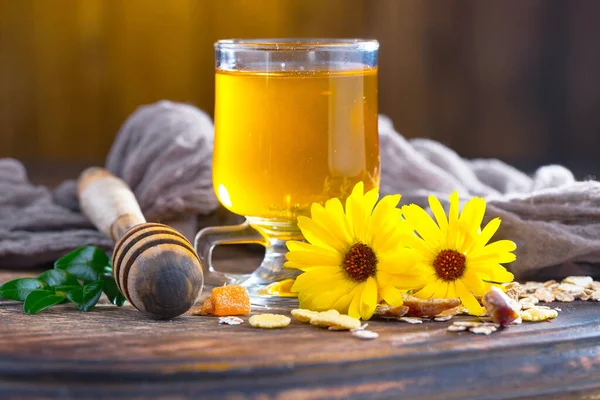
(86, 263)
(39, 300)
(62, 290)
(86, 296)
(111, 290)
(19, 289)
(58, 277)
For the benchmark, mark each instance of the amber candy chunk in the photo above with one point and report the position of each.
(227, 300)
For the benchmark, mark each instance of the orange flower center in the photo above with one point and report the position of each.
(360, 262)
(449, 265)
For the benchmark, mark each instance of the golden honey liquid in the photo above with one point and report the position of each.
(284, 140)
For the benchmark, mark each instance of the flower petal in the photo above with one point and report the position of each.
(452, 235)
(429, 289)
(330, 223)
(391, 296)
(467, 299)
(486, 234)
(354, 308)
(311, 258)
(368, 300)
(423, 224)
(319, 236)
(438, 212)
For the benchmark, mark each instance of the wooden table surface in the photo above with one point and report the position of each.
(115, 352)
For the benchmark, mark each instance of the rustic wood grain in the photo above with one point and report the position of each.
(118, 353)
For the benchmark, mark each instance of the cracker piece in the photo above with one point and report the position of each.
(269, 321)
(304, 315)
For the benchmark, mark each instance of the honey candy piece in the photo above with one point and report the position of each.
(386, 311)
(208, 307)
(451, 312)
(269, 321)
(228, 300)
(428, 307)
(500, 307)
(303, 315)
(536, 314)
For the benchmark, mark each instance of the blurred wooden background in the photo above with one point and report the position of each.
(514, 79)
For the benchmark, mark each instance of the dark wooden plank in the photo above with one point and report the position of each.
(114, 353)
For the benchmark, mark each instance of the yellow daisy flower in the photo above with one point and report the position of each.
(454, 253)
(355, 257)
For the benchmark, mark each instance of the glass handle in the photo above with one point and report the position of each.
(208, 238)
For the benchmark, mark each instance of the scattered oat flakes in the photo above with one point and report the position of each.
(411, 320)
(443, 318)
(564, 297)
(550, 283)
(483, 330)
(526, 303)
(231, 320)
(530, 287)
(595, 285)
(517, 321)
(303, 315)
(595, 296)
(570, 288)
(543, 294)
(468, 324)
(365, 335)
(582, 281)
(537, 314)
(269, 321)
(514, 290)
(456, 328)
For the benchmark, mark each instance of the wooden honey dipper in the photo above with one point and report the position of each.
(155, 267)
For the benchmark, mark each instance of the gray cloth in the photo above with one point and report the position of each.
(554, 220)
(163, 151)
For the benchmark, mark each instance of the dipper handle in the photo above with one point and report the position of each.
(108, 202)
(155, 267)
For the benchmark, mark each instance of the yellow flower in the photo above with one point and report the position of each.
(454, 252)
(355, 257)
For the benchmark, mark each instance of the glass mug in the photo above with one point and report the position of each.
(295, 123)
